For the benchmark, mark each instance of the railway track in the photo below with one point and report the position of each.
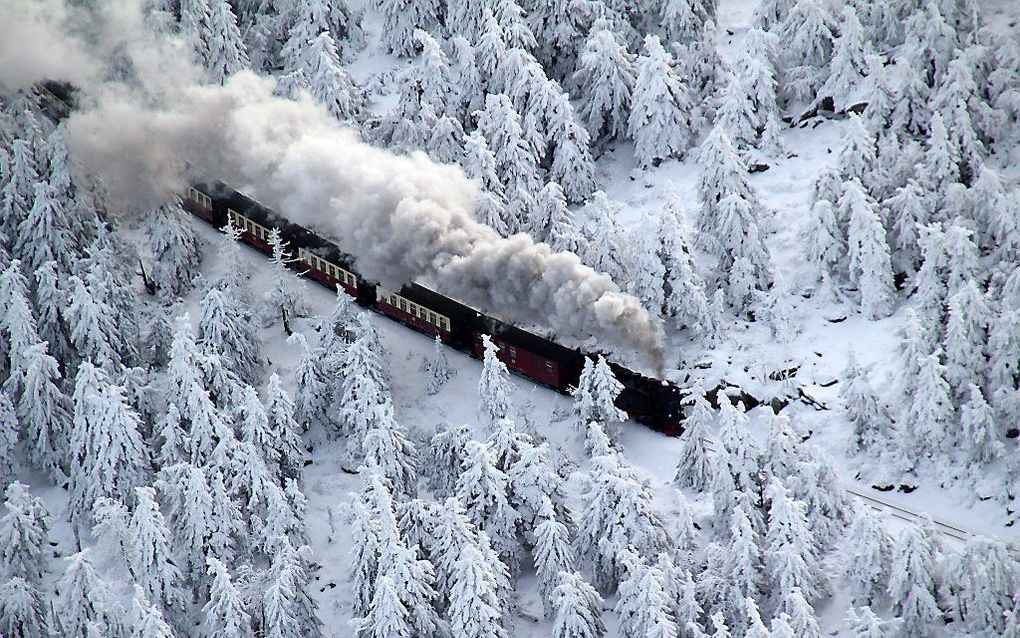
(896, 511)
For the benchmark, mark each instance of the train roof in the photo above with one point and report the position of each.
(431, 299)
(298, 236)
(527, 340)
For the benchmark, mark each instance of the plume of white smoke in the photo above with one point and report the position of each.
(401, 217)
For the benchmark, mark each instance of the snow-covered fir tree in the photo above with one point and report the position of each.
(604, 248)
(870, 264)
(694, 469)
(225, 51)
(642, 606)
(224, 613)
(483, 489)
(605, 79)
(475, 611)
(595, 397)
(659, 121)
(22, 610)
(281, 299)
(848, 65)
(150, 555)
(866, 558)
(808, 34)
(111, 457)
(911, 584)
(577, 608)
(493, 384)
(24, 534)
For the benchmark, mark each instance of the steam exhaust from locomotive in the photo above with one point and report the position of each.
(402, 217)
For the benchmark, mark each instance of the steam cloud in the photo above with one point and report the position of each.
(401, 217)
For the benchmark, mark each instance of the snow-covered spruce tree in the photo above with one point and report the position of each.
(493, 384)
(388, 448)
(361, 387)
(254, 427)
(577, 608)
(863, 623)
(187, 493)
(45, 233)
(660, 115)
(959, 100)
(912, 582)
(742, 453)
(194, 19)
(506, 443)
(91, 319)
(572, 164)
(484, 491)
(617, 514)
(175, 246)
(387, 617)
(870, 265)
(827, 247)
(927, 420)
(782, 449)
(453, 532)
(808, 34)
(858, 157)
(44, 411)
(977, 422)
(8, 440)
(111, 458)
(439, 368)
(742, 567)
(446, 144)
(282, 299)
(930, 282)
(604, 247)
(722, 173)
(516, 163)
(984, 578)
(50, 304)
(736, 116)
(288, 611)
(871, 422)
(866, 556)
(22, 610)
(642, 605)
(647, 285)
(553, 555)
(416, 519)
(150, 556)
(17, 196)
(908, 211)
(595, 397)
(966, 338)
(694, 470)
(849, 63)
(475, 610)
(224, 613)
(445, 456)
(225, 331)
(24, 533)
(433, 71)
(533, 480)
(791, 552)
(280, 411)
(225, 51)
(311, 393)
(605, 80)
(86, 601)
(685, 301)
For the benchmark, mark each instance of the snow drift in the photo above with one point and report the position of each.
(401, 217)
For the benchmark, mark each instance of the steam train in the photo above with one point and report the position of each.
(657, 404)
(652, 402)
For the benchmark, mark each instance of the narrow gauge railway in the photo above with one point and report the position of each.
(652, 402)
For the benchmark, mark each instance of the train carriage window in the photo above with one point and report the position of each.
(512, 351)
(548, 366)
(432, 318)
(444, 324)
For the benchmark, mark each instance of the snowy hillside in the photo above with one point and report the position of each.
(810, 204)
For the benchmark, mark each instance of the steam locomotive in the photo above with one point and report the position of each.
(655, 403)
